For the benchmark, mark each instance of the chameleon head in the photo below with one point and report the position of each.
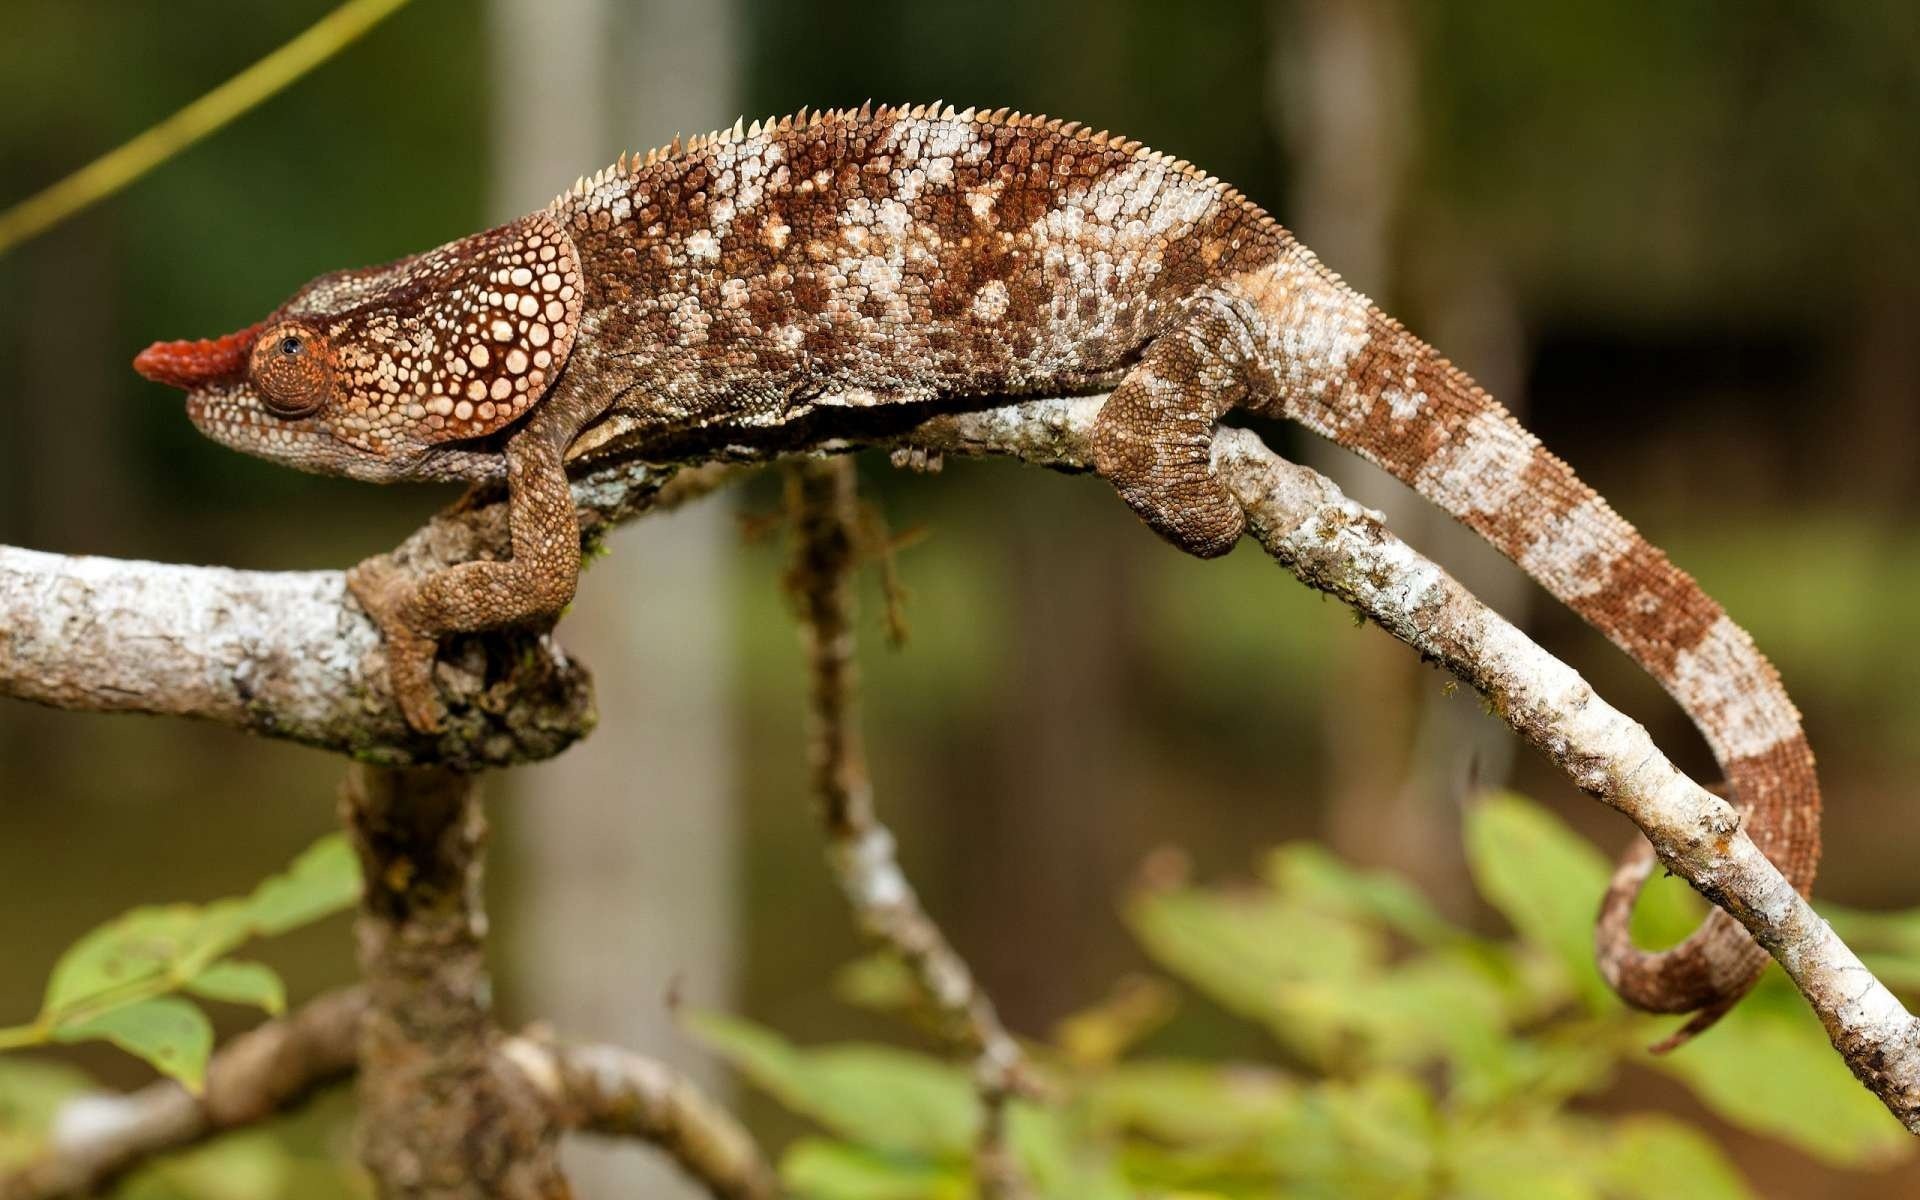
(369, 373)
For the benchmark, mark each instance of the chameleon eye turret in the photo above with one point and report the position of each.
(290, 368)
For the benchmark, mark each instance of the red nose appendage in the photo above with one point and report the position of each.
(188, 365)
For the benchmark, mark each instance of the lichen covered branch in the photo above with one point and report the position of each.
(290, 654)
(281, 653)
(823, 505)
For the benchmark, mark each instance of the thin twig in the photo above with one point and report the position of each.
(129, 161)
(825, 510)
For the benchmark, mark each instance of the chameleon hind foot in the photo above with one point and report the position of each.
(1153, 440)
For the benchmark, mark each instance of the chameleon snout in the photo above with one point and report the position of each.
(192, 364)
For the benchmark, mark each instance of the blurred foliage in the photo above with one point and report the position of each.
(1413, 1057)
(121, 982)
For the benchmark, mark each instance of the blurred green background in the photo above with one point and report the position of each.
(1679, 237)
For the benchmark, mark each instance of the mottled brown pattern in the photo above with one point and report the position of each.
(897, 256)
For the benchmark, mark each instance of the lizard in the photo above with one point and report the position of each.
(901, 256)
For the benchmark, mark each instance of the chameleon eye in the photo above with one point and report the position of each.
(291, 374)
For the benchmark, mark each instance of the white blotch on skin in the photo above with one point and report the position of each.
(990, 302)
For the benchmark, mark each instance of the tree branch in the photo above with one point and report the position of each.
(290, 654)
(824, 508)
(276, 1066)
(259, 1073)
(613, 1092)
(442, 1114)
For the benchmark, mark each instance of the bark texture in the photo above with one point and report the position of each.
(442, 1114)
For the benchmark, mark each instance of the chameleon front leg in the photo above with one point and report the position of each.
(534, 585)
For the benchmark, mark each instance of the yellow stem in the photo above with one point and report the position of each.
(121, 166)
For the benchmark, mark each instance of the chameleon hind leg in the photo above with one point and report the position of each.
(1153, 439)
(532, 586)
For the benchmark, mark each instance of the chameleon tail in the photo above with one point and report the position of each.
(1356, 376)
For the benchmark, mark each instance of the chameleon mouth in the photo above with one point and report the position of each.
(188, 365)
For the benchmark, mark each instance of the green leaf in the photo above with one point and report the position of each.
(1310, 874)
(1101, 1033)
(157, 949)
(874, 1095)
(240, 982)
(879, 982)
(816, 1169)
(139, 949)
(1240, 949)
(1435, 1007)
(1377, 1136)
(170, 1033)
(1545, 879)
(1061, 1166)
(1768, 1067)
(1191, 1103)
(324, 880)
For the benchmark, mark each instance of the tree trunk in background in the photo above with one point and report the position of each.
(1345, 78)
(624, 849)
(1056, 828)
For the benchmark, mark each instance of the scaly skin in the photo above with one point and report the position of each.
(904, 256)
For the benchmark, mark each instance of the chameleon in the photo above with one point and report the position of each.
(923, 256)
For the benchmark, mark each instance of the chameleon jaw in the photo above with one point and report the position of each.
(192, 364)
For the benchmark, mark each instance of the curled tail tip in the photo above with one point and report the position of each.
(1705, 976)
(1702, 1021)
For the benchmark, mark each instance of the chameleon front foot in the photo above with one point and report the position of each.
(410, 653)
